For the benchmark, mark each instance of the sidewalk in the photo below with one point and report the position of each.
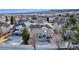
(2, 39)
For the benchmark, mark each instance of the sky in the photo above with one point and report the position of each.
(20, 10)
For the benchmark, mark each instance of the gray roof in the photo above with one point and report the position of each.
(4, 24)
(36, 26)
(1, 23)
(40, 26)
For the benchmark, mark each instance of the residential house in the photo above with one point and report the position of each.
(2, 19)
(17, 28)
(42, 31)
(4, 28)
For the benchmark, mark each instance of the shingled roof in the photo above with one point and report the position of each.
(4, 24)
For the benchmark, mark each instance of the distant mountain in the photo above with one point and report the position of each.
(58, 11)
(64, 10)
(38, 11)
(13, 11)
(52, 11)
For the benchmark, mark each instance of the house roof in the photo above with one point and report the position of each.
(1, 23)
(4, 24)
(36, 26)
(39, 26)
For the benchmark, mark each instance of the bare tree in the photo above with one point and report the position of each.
(33, 39)
(56, 40)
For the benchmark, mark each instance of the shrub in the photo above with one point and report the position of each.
(25, 35)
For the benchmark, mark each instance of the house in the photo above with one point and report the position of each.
(2, 19)
(42, 31)
(17, 28)
(50, 19)
(22, 22)
(4, 28)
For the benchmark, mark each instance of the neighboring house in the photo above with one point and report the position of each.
(42, 31)
(4, 28)
(17, 28)
(50, 19)
(22, 22)
(2, 19)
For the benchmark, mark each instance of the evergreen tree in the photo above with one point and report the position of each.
(25, 35)
(12, 20)
(6, 18)
(70, 30)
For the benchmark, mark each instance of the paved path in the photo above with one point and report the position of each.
(16, 47)
(28, 47)
(2, 39)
